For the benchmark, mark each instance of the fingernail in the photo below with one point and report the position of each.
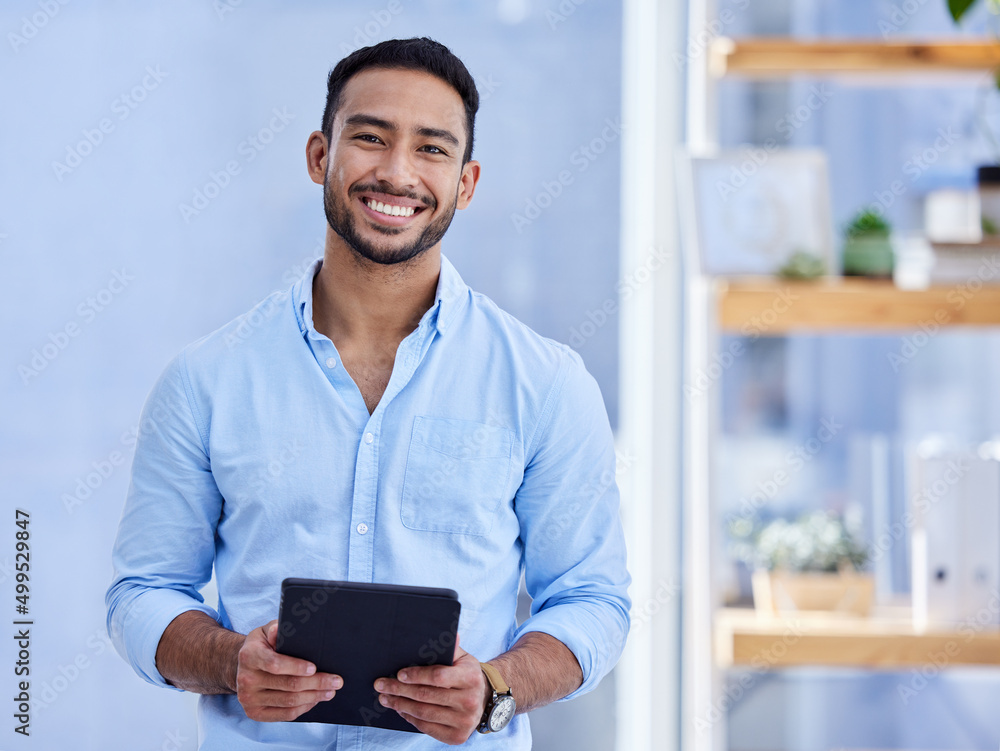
(328, 695)
(384, 700)
(338, 682)
(403, 676)
(380, 685)
(310, 669)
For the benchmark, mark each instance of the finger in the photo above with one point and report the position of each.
(416, 691)
(453, 735)
(442, 676)
(296, 684)
(259, 655)
(435, 713)
(268, 698)
(433, 729)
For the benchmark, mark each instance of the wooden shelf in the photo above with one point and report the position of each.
(780, 57)
(771, 307)
(744, 639)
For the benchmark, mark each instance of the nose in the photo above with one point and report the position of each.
(397, 169)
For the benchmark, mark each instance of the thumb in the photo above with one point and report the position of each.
(271, 633)
(459, 652)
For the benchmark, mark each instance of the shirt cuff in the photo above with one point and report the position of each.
(147, 618)
(595, 638)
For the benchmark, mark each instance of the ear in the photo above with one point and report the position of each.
(317, 152)
(467, 184)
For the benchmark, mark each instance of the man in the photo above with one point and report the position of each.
(378, 422)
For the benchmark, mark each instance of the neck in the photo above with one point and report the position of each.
(357, 300)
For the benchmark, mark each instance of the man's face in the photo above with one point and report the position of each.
(394, 173)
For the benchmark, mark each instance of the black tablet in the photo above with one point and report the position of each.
(362, 632)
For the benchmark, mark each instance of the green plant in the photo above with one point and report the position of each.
(866, 224)
(959, 8)
(802, 265)
(818, 541)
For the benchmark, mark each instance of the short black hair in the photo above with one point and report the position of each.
(407, 54)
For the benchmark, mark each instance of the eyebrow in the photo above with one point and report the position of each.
(378, 122)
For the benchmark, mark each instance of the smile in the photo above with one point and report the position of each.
(389, 209)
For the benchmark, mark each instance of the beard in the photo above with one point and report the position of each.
(387, 253)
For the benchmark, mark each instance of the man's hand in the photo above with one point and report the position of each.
(444, 702)
(277, 688)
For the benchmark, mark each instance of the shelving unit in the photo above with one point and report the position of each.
(885, 641)
(839, 304)
(718, 638)
(781, 58)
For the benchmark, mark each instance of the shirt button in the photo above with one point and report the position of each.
(362, 528)
(369, 437)
(331, 362)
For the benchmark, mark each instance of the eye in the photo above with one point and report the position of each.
(367, 138)
(437, 150)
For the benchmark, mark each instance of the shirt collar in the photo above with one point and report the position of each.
(448, 298)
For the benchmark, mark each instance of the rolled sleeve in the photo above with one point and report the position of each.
(165, 547)
(568, 511)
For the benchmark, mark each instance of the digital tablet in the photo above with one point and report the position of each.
(362, 632)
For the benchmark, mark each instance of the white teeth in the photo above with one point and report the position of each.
(389, 209)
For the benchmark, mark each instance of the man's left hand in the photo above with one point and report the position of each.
(444, 702)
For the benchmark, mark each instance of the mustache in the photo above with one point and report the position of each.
(388, 190)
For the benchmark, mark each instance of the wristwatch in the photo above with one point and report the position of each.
(500, 706)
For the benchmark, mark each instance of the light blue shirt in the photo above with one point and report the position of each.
(489, 455)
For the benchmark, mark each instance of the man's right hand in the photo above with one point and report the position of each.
(277, 688)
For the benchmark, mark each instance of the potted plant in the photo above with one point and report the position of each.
(867, 247)
(811, 563)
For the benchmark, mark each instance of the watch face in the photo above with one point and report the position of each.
(503, 710)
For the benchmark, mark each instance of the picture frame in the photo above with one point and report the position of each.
(746, 211)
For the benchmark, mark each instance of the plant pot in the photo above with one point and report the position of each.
(785, 592)
(868, 255)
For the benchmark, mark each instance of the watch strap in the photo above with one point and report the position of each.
(495, 679)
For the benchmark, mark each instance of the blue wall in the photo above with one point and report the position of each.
(115, 115)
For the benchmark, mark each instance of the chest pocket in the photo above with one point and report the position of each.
(456, 475)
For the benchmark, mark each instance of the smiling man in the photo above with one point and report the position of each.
(382, 423)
